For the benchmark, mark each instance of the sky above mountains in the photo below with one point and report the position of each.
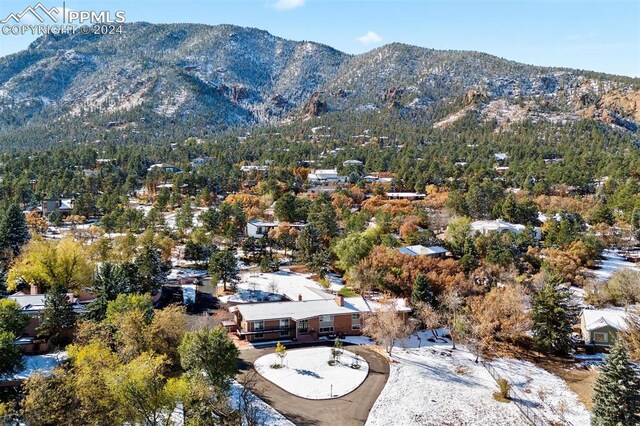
(593, 35)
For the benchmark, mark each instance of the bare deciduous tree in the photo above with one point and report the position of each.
(386, 326)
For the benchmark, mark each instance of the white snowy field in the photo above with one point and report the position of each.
(544, 390)
(611, 263)
(434, 385)
(307, 374)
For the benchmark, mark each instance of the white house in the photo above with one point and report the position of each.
(258, 228)
(199, 162)
(325, 176)
(420, 250)
(374, 178)
(352, 163)
(484, 227)
(405, 196)
(247, 169)
(165, 168)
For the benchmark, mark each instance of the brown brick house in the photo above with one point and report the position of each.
(301, 319)
(293, 320)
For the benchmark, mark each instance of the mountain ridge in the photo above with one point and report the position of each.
(226, 75)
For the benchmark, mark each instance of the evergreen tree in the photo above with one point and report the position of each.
(552, 316)
(223, 266)
(58, 314)
(152, 270)
(616, 393)
(196, 252)
(323, 216)
(11, 359)
(3, 279)
(108, 282)
(469, 259)
(184, 218)
(285, 208)
(422, 292)
(308, 243)
(13, 229)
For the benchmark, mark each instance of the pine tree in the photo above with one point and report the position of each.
(308, 243)
(422, 292)
(323, 216)
(108, 282)
(152, 270)
(13, 229)
(184, 218)
(552, 317)
(223, 266)
(616, 393)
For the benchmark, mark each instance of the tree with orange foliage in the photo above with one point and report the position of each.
(409, 226)
(252, 205)
(36, 223)
(388, 270)
(564, 264)
(501, 315)
(285, 235)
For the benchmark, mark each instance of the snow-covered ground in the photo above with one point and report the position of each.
(179, 273)
(544, 390)
(292, 285)
(37, 363)
(307, 373)
(611, 263)
(265, 414)
(434, 385)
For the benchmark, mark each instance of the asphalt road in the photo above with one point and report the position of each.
(349, 410)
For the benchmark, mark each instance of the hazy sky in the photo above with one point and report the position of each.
(594, 35)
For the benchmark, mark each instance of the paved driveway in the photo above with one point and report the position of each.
(349, 410)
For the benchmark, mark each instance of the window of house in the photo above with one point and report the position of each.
(326, 318)
(284, 334)
(258, 336)
(600, 337)
(355, 322)
(284, 323)
(326, 329)
(258, 325)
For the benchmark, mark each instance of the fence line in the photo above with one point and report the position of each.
(528, 412)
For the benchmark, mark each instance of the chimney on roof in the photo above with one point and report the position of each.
(299, 297)
(340, 300)
(35, 290)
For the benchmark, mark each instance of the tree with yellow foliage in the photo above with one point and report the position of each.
(44, 263)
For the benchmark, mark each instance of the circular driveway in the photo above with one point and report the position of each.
(349, 410)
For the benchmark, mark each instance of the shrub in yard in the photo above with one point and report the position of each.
(281, 352)
(331, 362)
(503, 393)
(336, 351)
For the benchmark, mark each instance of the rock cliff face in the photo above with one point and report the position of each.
(227, 75)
